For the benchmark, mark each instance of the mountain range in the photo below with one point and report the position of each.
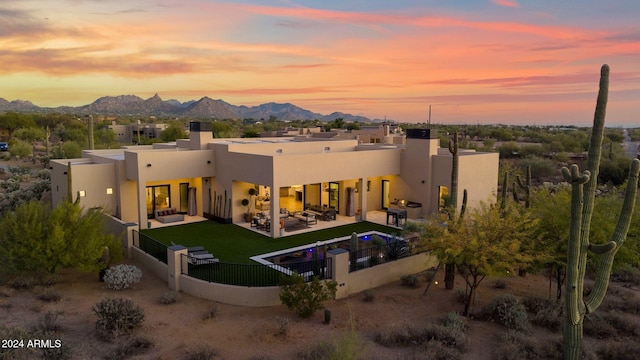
(203, 108)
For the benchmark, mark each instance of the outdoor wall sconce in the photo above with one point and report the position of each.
(422, 181)
(279, 151)
(65, 173)
(208, 161)
(82, 193)
(109, 191)
(327, 149)
(148, 165)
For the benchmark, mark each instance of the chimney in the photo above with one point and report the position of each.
(200, 134)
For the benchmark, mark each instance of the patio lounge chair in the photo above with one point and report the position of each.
(202, 259)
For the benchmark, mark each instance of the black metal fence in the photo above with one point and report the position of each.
(149, 245)
(253, 275)
(372, 256)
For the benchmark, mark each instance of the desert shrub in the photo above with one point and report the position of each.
(117, 317)
(202, 353)
(49, 295)
(395, 335)
(450, 337)
(122, 276)
(49, 322)
(508, 311)
(515, 346)
(64, 352)
(619, 350)
(403, 335)
(15, 333)
(627, 274)
(305, 298)
(436, 350)
(550, 318)
(625, 302)
(410, 280)
(319, 351)
(455, 322)
(212, 312)
(500, 284)
(169, 297)
(22, 283)
(626, 325)
(536, 303)
(598, 327)
(461, 296)
(137, 345)
(369, 296)
(283, 325)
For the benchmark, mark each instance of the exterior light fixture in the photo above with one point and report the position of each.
(148, 165)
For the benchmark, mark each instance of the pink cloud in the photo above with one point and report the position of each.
(507, 3)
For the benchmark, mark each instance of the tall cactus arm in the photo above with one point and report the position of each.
(595, 149)
(619, 235)
(576, 250)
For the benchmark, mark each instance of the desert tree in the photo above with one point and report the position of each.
(36, 238)
(486, 243)
(175, 130)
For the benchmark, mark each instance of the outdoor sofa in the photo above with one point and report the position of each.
(168, 215)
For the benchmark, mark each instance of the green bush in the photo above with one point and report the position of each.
(117, 317)
(305, 298)
(508, 311)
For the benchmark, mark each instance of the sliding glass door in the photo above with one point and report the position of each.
(157, 198)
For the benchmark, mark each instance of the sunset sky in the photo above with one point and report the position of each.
(533, 62)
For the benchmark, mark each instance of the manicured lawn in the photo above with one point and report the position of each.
(235, 244)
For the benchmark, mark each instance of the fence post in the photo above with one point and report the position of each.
(340, 270)
(174, 265)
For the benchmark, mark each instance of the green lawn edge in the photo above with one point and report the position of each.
(234, 244)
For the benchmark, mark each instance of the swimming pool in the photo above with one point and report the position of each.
(289, 260)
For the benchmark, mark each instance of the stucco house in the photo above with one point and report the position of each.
(204, 176)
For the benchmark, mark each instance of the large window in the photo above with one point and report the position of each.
(158, 197)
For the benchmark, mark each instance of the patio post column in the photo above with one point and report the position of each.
(275, 211)
(175, 265)
(363, 198)
(340, 270)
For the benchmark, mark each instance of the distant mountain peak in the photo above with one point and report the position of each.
(205, 107)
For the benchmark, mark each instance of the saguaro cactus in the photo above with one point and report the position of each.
(582, 199)
(450, 268)
(526, 186)
(505, 186)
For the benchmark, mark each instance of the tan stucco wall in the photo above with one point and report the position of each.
(228, 294)
(156, 267)
(372, 277)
